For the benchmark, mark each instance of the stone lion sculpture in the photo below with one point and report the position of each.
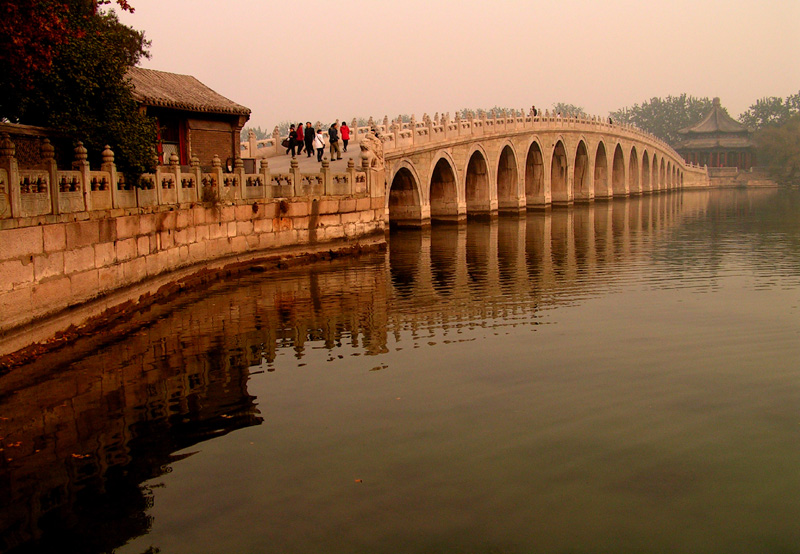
(372, 150)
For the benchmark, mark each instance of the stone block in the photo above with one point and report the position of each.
(143, 246)
(185, 236)
(23, 241)
(227, 213)
(201, 233)
(262, 226)
(157, 263)
(84, 285)
(55, 237)
(347, 205)
(328, 206)
(14, 273)
(267, 240)
(48, 265)
(218, 248)
(231, 232)
(350, 217)
(167, 221)
(252, 242)
(199, 215)
(280, 224)
(244, 213)
(82, 233)
(134, 270)
(147, 224)
(166, 240)
(50, 295)
(244, 227)
(297, 209)
(110, 278)
(300, 222)
(127, 227)
(183, 254)
(78, 260)
(184, 218)
(15, 305)
(268, 210)
(126, 249)
(378, 203)
(363, 204)
(217, 230)
(329, 220)
(107, 230)
(104, 254)
(197, 252)
(239, 244)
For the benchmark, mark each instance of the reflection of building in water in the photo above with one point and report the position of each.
(79, 438)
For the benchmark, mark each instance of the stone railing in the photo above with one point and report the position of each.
(401, 135)
(44, 189)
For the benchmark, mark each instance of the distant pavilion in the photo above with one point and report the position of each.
(717, 141)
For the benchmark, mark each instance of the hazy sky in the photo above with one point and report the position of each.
(323, 60)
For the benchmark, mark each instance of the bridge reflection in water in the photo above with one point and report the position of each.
(82, 429)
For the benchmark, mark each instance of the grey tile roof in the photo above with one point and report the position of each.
(184, 92)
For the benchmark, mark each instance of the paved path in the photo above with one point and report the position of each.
(280, 164)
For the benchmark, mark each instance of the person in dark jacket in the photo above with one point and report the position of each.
(292, 140)
(333, 134)
(309, 138)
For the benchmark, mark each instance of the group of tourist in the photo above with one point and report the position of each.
(306, 138)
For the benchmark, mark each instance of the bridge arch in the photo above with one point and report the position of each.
(404, 198)
(508, 196)
(581, 179)
(477, 183)
(654, 171)
(559, 168)
(443, 191)
(534, 175)
(601, 171)
(633, 172)
(618, 172)
(662, 175)
(646, 175)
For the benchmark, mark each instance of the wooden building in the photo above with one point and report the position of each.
(717, 141)
(193, 120)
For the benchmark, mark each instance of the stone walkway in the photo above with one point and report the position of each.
(280, 164)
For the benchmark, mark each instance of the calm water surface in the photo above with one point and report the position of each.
(622, 377)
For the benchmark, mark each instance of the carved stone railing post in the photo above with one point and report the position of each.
(251, 144)
(294, 169)
(9, 163)
(216, 179)
(354, 131)
(197, 175)
(82, 165)
(276, 138)
(326, 176)
(109, 165)
(351, 176)
(413, 126)
(238, 171)
(265, 176)
(50, 165)
(175, 169)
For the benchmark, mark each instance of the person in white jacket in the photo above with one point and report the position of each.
(319, 144)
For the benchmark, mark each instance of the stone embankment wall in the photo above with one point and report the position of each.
(50, 263)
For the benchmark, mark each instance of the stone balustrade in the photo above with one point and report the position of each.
(45, 189)
(400, 135)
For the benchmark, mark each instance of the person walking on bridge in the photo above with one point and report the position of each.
(300, 138)
(319, 144)
(333, 135)
(292, 140)
(309, 138)
(345, 134)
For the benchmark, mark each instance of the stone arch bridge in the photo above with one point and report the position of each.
(446, 170)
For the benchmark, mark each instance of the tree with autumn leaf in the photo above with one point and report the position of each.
(63, 66)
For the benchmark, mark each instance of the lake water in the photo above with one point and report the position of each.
(620, 377)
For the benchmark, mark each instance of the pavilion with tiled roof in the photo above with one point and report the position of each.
(717, 141)
(193, 120)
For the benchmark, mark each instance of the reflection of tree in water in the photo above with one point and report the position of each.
(760, 228)
(478, 236)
